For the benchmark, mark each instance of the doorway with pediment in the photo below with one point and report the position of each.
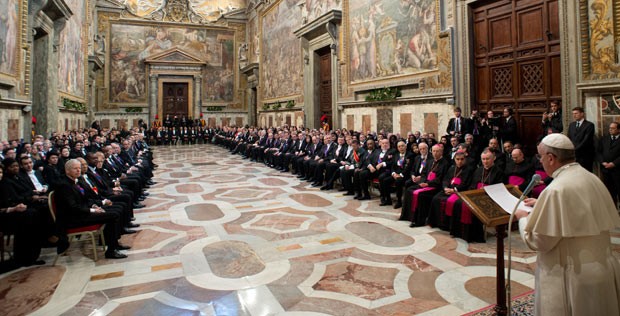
(175, 84)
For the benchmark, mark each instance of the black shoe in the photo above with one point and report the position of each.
(398, 205)
(122, 247)
(126, 231)
(132, 219)
(145, 194)
(61, 246)
(383, 203)
(316, 184)
(365, 197)
(132, 225)
(326, 187)
(357, 196)
(142, 198)
(349, 193)
(35, 263)
(342, 190)
(138, 206)
(284, 170)
(114, 254)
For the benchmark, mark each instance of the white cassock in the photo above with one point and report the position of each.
(576, 273)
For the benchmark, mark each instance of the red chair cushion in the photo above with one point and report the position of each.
(83, 229)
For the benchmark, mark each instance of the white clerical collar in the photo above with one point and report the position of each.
(557, 172)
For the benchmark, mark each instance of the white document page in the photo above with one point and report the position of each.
(504, 199)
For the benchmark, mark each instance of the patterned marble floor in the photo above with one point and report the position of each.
(224, 236)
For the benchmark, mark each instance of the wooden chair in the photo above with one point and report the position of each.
(91, 231)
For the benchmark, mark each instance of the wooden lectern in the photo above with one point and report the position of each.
(492, 215)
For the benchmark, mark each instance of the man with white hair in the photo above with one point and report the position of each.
(75, 210)
(569, 226)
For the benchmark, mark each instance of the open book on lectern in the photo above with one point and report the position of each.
(500, 195)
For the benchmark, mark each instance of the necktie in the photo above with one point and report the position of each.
(613, 139)
(458, 125)
(578, 124)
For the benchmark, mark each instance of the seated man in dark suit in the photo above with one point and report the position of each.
(75, 210)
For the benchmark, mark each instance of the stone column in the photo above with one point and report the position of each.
(153, 106)
(48, 21)
(197, 96)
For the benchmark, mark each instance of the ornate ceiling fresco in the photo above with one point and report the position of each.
(182, 10)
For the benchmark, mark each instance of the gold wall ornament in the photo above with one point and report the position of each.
(176, 11)
(442, 81)
(600, 39)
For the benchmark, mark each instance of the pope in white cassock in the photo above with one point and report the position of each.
(577, 273)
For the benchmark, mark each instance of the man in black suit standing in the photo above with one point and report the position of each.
(508, 130)
(458, 126)
(608, 156)
(581, 133)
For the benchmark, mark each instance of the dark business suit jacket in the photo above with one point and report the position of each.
(583, 139)
(608, 151)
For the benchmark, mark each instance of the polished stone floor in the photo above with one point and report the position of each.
(224, 236)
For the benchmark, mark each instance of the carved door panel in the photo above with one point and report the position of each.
(175, 99)
(325, 83)
(517, 61)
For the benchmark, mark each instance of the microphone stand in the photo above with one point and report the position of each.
(535, 179)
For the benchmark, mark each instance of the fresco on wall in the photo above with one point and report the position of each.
(71, 62)
(313, 9)
(9, 33)
(253, 40)
(390, 38)
(281, 53)
(131, 45)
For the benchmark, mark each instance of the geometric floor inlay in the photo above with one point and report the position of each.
(226, 236)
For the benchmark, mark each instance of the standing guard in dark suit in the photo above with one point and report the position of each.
(508, 130)
(458, 125)
(581, 133)
(609, 157)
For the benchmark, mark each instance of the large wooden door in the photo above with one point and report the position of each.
(325, 84)
(175, 99)
(517, 60)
